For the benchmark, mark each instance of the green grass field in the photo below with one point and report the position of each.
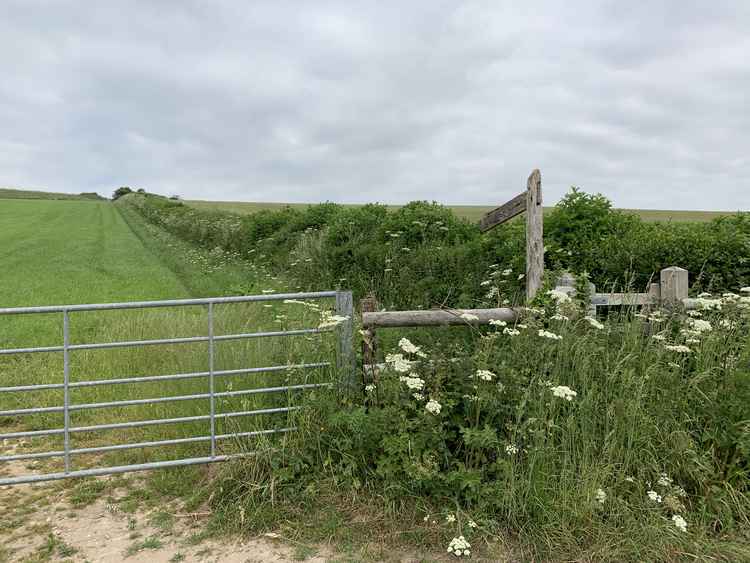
(472, 213)
(66, 252)
(11, 193)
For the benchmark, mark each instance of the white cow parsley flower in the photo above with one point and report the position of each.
(745, 289)
(699, 325)
(406, 345)
(654, 496)
(494, 322)
(564, 392)
(511, 449)
(329, 320)
(412, 381)
(679, 522)
(678, 348)
(485, 375)
(511, 332)
(450, 518)
(433, 407)
(370, 388)
(459, 546)
(550, 335)
(593, 322)
(558, 296)
(600, 496)
(664, 480)
(400, 364)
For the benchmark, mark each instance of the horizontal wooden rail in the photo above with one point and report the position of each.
(623, 299)
(437, 317)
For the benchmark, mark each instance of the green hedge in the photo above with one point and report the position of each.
(422, 255)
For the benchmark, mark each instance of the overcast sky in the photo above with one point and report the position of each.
(645, 102)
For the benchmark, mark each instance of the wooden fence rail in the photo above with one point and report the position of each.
(671, 291)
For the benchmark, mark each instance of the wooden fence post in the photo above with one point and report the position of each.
(654, 294)
(369, 342)
(674, 285)
(534, 235)
(567, 284)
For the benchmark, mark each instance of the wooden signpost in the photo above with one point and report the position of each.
(531, 202)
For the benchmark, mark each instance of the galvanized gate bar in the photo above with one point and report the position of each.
(142, 423)
(101, 449)
(166, 303)
(157, 400)
(159, 341)
(343, 306)
(151, 378)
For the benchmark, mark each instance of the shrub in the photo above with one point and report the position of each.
(422, 255)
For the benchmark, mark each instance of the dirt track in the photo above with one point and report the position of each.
(40, 523)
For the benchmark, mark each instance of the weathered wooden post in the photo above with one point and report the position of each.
(568, 284)
(531, 202)
(369, 342)
(534, 235)
(674, 285)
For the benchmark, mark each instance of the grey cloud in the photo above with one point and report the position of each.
(387, 101)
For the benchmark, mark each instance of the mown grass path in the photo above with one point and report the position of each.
(62, 252)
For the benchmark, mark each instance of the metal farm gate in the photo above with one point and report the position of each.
(343, 367)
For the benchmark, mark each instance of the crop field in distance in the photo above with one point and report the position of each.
(472, 213)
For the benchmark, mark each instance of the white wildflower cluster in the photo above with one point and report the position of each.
(559, 317)
(564, 392)
(492, 293)
(398, 362)
(485, 375)
(471, 524)
(370, 388)
(469, 317)
(654, 496)
(459, 546)
(696, 328)
(664, 480)
(412, 381)
(511, 331)
(329, 320)
(418, 396)
(708, 304)
(406, 345)
(494, 322)
(745, 289)
(679, 522)
(559, 297)
(433, 407)
(679, 348)
(550, 335)
(600, 496)
(594, 323)
(511, 449)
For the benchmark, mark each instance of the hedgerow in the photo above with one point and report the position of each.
(620, 439)
(422, 255)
